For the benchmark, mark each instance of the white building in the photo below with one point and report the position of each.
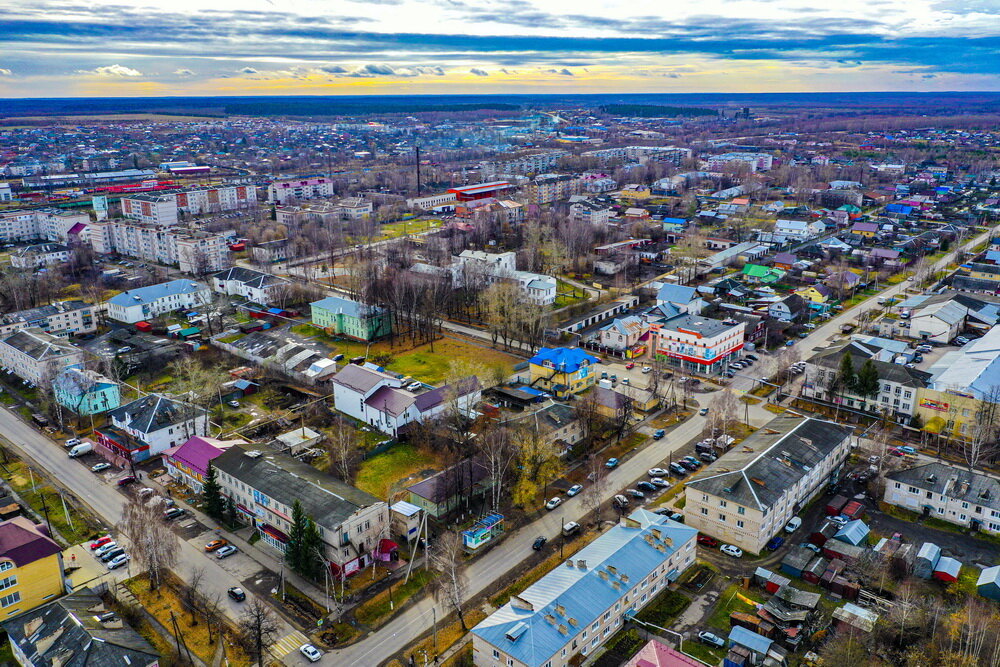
(5, 192)
(193, 251)
(35, 356)
(153, 209)
(40, 225)
(265, 486)
(591, 211)
(668, 154)
(59, 318)
(429, 202)
(163, 209)
(748, 495)
(38, 256)
(155, 423)
(283, 192)
(252, 285)
(799, 230)
(377, 398)
(969, 499)
(145, 303)
(938, 322)
(756, 161)
(574, 609)
(539, 288)
(697, 344)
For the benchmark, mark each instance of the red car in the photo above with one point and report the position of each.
(895, 452)
(125, 481)
(100, 542)
(630, 365)
(708, 541)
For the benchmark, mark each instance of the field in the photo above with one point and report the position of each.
(384, 473)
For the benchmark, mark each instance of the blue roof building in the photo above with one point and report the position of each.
(146, 303)
(740, 636)
(580, 604)
(854, 532)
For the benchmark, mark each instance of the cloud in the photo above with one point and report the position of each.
(113, 71)
(183, 72)
(479, 72)
(332, 69)
(373, 69)
(248, 70)
(565, 72)
(5, 72)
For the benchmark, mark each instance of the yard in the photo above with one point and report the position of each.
(376, 610)
(730, 601)
(567, 294)
(400, 465)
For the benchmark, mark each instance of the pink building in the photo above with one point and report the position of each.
(188, 463)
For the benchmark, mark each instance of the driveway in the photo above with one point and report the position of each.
(967, 549)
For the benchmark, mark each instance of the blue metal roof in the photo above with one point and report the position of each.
(565, 359)
(144, 295)
(853, 532)
(753, 641)
(572, 598)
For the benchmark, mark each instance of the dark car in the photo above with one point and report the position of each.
(125, 481)
(678, 469)
(688, 464)
(172, 513)
(708, 541)
(539, 543)
(237, 594)
(774, 543)
(678, 517)
(111, 555)
(659, 433)
(646, 486)
(692, 460)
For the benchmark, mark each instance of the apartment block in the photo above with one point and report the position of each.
(353, 524)
(756, 161)
(40, 255)
(193, 251)
(573, 610)
(35, 356)
(549, 188)
(60, 318)
(748, 495)
(40, 225)
(283, 192)
(164, 209)
(942, 491)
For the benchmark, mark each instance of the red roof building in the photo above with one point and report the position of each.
(481, 191)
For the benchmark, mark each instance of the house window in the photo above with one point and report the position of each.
(741, 510)
(722, 503)
(496, 654)
(9, 582)
(722, 517)
(739, 524)
(8, 600)
(704, 510)
(6, 565)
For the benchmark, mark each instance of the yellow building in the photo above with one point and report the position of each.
(562, 370)
(815, 293)
(947, 413)
(635, 192)
(31, 568)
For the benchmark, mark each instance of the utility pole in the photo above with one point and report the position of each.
(418, 169)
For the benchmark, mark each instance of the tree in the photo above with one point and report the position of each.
(258, 629)
(866, 382)
(211, 495)
(232, 513)
(593, 492)
(451, 586)
(846, 378)
(313, 560)
(342, 448)
(295, 547)
(190, 593)
(498, 455)
(153, 545)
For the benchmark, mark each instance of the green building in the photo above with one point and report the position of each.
(85, 392)
(344, 317)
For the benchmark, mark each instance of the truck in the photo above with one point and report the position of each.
(80, 450)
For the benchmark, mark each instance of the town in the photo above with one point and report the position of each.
(533, 384)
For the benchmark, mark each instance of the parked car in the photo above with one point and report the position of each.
(707, 457)
(752, 357)
(703, 412)
(414, 386)
(100, 542)
(812, 547)
(895, 452)
(678, 517)
(646, 369)
(100, 467)
(906, 449)
(216, 544)
(72, 442)
(226, 551)
(659, 482)
(620, 501)
(573, 490)
(630, 365)
(730, 550)
(570, 528)
(678, 469)
(711, 639)
(774, 543)
(687, 464)
(793, 525)
(646, 487)
(538, 543)
(553, 503)
(145, 492)
(839, 520)
(692, 460)
(708, 541)
(657, 472)
(311, 653)
(118, 561)
(612, 463)
(233, 404)
(924, 348)
(172, 513)
(126, 480)
(658, 434)
(111, 554)
(105, 548)
(236, 593)
(635, 493)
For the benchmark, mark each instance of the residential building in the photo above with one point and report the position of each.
(193, 251)
(146, 303)
(623, 333)
(549, 188)
(40, 255)
(162, 209)
(748, 495)
(375, 397)
(574, 609)
(37, 357)
(523, 164)
(757, 274)
(657, 654)
(31, 566)
(345, 317)
(85, 392)
(323, 212)
(270, 252)
(697, 344)
(40, 225)
(149, 426)
(255, 286)
(157, 209)
(445, 491)
(666, 154)
(968, 498)
(748, 251)
(188, 463)
(78, 630)
(866, 230)
(938, 322)
(678, 300)
(353, 524)
(540, 289)
(60, 318)
(755, 161)
(816, 295)
(355, 208)
(562, 370)
(284, 192)
(792, 308)
(899, 386)
(798, 230)
(5, 192)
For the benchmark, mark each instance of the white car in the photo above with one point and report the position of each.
(553, 503)
(839, 520)
(658, 472)
(413, 386)
(793, 525)
(225, 551)
(105, 548)
(573, 490)
(647, 369)
(311, 653)
(100, 467)
(660, 482)
(118, 561)
(730, 550)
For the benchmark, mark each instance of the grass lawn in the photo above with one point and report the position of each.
(446, 635)
(379, 474)
(567, 294)
(375, 610)
(231, 338)
(730, 602)
(392, 230)
(705, 653)
(84, 527)
(664, 608)
(161, 602)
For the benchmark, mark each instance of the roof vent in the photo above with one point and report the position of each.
(254, 454)
(563, 630)
(931, 478)
(561, 610)
(515, 632)
(569, 563)
(582, 564)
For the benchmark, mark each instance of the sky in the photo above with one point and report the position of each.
(76, 48)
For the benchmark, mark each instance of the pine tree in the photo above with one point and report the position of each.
(312, 552)
(211, 495)
(846, 378)
(232, 514)
(294, 554)
(867, 383)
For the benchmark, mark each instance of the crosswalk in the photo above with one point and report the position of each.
(288, 644)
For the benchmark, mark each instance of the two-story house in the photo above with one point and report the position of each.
(942, 491)
(345, 317)
(149, 426)
(146, 303)
(37, 357)
(31, 566)
(255, 286)
(623, 333)
(562, 370)
(697, 344)
(85, 392)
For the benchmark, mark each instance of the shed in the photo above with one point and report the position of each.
(761, 576)
(842, 550)
(989, 583)
(835, 505)
(825, 532)
(853, 510)
(947, 569)
(851, 615)
(854, 532)
(405, 520)
(927, 560)
(143, 326)
(796, 560)
(776, 582)
(756, 643)
(903, 559)
(815, 570)
(299, 439)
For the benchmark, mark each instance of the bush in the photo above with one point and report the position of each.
(667, 606)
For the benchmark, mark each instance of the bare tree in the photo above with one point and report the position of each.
(258, 630)
(498, 454)
(190, 594)
(342, 448)
(597, 484)
(152, 544)
(451, 586)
